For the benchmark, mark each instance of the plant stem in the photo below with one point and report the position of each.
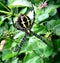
(4, 12)
(4, 6)
(8, 13)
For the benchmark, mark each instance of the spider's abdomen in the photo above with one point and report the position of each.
(24, 21)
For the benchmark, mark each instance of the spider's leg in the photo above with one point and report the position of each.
(21, 43)
(33, 16)
(40, 37)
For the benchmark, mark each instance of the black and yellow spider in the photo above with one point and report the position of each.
(24, 24)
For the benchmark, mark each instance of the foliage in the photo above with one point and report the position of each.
(47, 24)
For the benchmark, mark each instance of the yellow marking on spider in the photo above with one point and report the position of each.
(28, 31)
(27, 20)
(28, 23)
(23, 22)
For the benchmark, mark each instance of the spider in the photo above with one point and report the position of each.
(24, 24)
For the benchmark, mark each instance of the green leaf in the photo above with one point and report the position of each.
(48, 52)
(35, 43)
(20, 34)
(0, 61)
(43, 17)
(20, 3)
(39, 29)
(7, 54)
(51, 9)
(1, 22)
(32, 58)
(23, 11)
(57, 44)
(15, 60)
(54, 26)
(53, 12)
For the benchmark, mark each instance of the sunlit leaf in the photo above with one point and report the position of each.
(7, 54)
(32, 58)
(43, 17)
(20, 3)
